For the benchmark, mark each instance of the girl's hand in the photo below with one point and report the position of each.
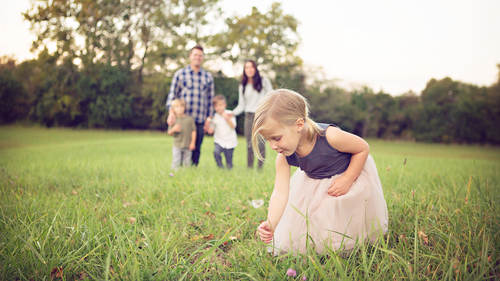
(192, 146)
(265, 232)
(340, 186)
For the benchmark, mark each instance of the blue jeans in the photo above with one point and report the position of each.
(195, 155)
(249, 116)
(228, 154)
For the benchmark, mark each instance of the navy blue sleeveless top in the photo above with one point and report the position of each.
(323, 161)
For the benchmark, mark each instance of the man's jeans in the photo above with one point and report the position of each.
(195, 156)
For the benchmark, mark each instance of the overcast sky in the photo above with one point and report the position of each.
(387, 45)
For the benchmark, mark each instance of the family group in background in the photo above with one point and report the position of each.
(195, 87)
(332, 201)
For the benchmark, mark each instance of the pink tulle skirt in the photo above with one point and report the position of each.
(315, 220)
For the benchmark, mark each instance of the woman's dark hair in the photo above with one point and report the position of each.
(257, 80)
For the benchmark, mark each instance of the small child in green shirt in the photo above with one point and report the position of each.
(184, 132)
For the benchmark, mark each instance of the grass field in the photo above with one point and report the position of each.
(89, 204)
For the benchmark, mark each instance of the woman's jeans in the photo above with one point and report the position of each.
(248, 135)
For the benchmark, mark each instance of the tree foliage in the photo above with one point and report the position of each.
(270, 38)
(110, 65)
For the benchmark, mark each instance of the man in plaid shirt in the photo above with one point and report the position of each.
(195, 86)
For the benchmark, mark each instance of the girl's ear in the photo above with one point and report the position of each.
(300, 124)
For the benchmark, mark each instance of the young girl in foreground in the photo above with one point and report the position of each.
(335, 198)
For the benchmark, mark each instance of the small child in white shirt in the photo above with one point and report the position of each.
(222, 125)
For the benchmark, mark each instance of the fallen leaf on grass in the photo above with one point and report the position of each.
(210, 214)
(423, 236)
(226, 245)
(205, 237)
(131, 220)
(56, 272)
(402, 238)
(195, 226)
(82, 275)
(74, 192)
(196, 237)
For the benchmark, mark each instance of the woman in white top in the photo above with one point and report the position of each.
(252, 89)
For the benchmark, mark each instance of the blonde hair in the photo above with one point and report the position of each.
(286, 107)
(179, 102)
(218, 98)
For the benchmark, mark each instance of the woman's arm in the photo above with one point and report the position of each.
(358, 147)
(241, 102)
(230, 119)
(266, 85)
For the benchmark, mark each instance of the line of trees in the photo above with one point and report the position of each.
(111, 64)
(445, 111)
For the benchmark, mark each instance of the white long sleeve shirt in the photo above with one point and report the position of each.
(250, 100)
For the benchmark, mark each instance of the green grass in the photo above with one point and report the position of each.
(67, 199)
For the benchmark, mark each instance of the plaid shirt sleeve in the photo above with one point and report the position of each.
(211, 92)
(174, 89)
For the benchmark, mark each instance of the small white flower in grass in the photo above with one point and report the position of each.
(291, 272)
(257, 203)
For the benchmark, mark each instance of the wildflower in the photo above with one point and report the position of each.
(171, 174)
(304, 278)
(257, 203)
(291, 272)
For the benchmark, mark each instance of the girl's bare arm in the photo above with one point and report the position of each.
(279, 197)
(350, 143)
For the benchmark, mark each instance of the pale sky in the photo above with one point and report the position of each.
(390, 45)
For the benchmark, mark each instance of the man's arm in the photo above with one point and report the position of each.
(174, 90)
(210, 96)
